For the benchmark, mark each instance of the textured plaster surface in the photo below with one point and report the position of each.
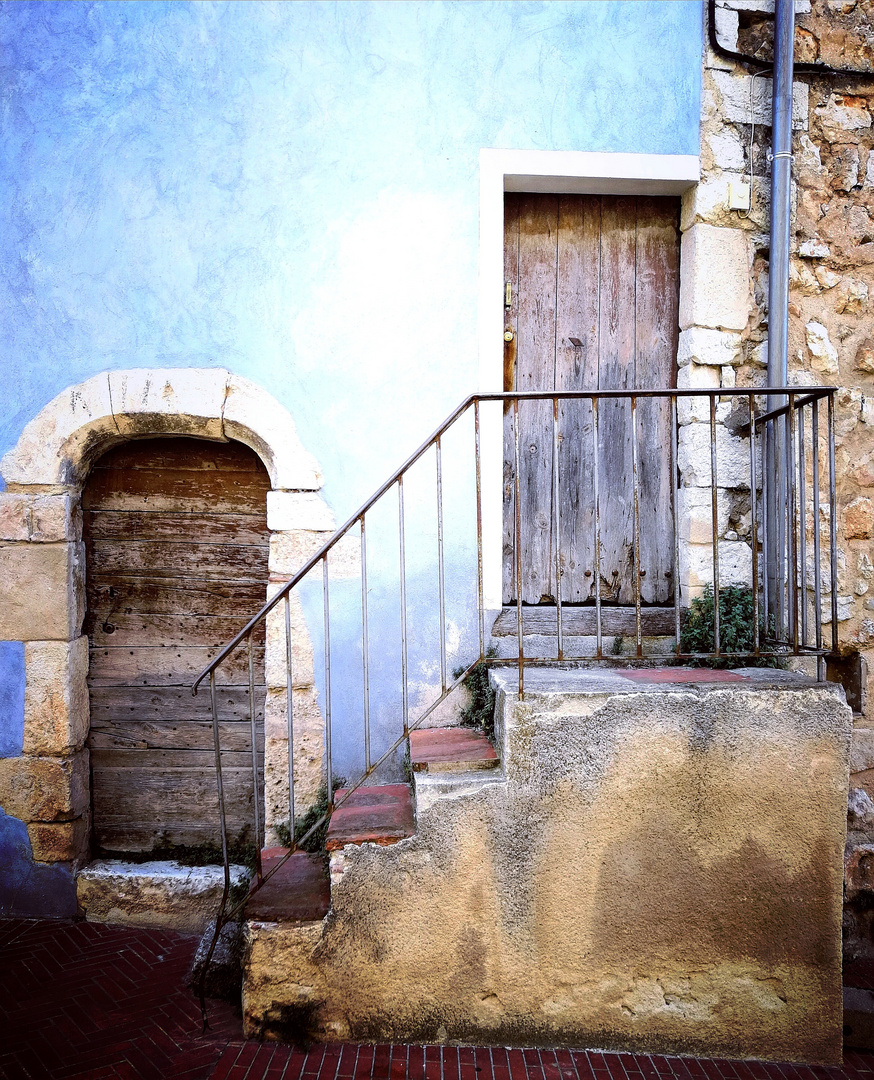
(659, 868)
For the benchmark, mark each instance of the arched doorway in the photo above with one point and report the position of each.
(177, 551)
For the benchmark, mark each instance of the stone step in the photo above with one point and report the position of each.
(299, 891)
(375, 815)
(451, 750)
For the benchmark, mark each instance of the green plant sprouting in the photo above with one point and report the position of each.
(302, 825)
(736, 605)
(479, 712)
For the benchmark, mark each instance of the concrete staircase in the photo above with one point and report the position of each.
(647, 860)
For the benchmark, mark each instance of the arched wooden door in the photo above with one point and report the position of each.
(177, 544)
(592, 303)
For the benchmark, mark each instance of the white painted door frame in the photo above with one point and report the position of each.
(555, 171)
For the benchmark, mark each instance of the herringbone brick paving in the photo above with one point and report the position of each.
(82, 1000)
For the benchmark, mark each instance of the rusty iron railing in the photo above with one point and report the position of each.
(791, 482)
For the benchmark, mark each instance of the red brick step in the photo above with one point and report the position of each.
(376, 815)
(299, 891)
(450, 750)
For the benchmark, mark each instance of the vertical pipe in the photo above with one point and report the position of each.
(636, 527)
(674, 500)
(440, 572)
(754, 525)
(327, 618)
(402, 544)
(256, 794)
(832, 517)
(289, 714)
(714, 510)
(778, 293)
(479, 535)
(597, 522)
(817, 539)
(556, 526)
(216, 740)
(517, 547)
(365, 647)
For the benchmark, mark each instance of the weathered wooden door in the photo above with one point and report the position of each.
(177, 542)
(592, 303)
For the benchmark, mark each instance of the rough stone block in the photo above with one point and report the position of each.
(824, 356)
(862, 749)
(309, 749)
(859, 518)
(291, 510)
(859, 869)
(55, 696)
(59, 841)
(695, 512)
(711, 348)
(276, 654)
(734, 91)
(42, 591)
(843, 112)
(54, 518)
(45, 789)
(732, 457)
(694, 376)
(290, 550)
(183, 401)
(14, 516)
(728, 151)
(735, 564)
(714, 278)
(159, 894)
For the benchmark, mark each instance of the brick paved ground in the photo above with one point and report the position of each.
(82, 1000)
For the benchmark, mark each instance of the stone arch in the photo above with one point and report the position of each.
(42, 596)
(58, 446)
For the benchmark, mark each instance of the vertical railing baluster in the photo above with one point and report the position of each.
(791, 526)
(556, 527)
(635, 494)
(599, 653)
(441, 585)
(517, 551)
(781, 596)
(714, 512)
(674, 500)
(219, 783)
(817, 539)
(754, 524)
(768, 547)
(289, 714)
(481, 615)
(259, 839)
(405, 690)
(365, 647)
(802, 524)
(326, 600)
(833, 522)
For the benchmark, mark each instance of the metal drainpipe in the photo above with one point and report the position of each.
(778, 297)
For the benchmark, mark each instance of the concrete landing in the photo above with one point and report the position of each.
(298, 892)
(376, 815)
(451, 750)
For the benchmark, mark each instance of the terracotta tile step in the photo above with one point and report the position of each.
(299, 891)
(376, 815)
(451, 750)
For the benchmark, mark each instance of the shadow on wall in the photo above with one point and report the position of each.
(28, 888)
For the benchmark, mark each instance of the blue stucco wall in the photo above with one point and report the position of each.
(290, 190)
(11, 698)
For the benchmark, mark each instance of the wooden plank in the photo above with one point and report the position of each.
(175, 491)
(152, 525)
(112, 705)
(194, 455)
(512, 210)
(162, 559)
(173, 665)
(581, 621)
(535, 370)
(135, 837)
(186, 795)
(616, 372)
(656, 335)
(576, 368)
(176, 758)
(171, 596)
(234, 736)
(146, 629)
